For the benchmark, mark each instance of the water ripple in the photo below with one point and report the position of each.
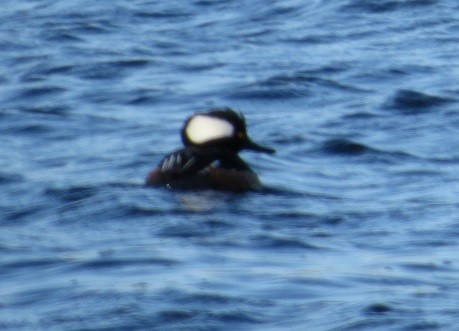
(120, 263)
(300, 84)
(281, 242)
(387, 6)
(409, 102)
(72, 194)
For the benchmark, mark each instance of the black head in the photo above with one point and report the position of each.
(221, 127)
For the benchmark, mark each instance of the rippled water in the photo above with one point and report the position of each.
(358, 227)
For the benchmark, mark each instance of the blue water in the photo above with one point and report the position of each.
(358, 228)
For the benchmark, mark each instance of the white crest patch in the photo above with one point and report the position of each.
(202, 128)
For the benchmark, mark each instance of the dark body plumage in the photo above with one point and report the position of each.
(213, 163)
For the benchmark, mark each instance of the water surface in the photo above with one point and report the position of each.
(357, 228)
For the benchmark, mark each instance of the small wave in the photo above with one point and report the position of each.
(174, 316)
(378, 308)
(345, 147)
(144, 99)
(34, 263)
(18, 215)
(9, 178)
(287, 86)
(139, 211)
(271, 88)
(30, 129)
(124, 262)
(206, 298)
(75, 31)
(311, 39)
(360, 115)
(109, 69)
(60, 110)
(426, 267)
(198, 320)
(237, 316)
(62, 36)
(191, 232)
(39, 92)
(208, 310)
(96, 27)
(129, 63)
(275, 241)
(289, 139)
(165, 14)
(55, 69)
(386, 6)
(199, 66)
(411, 102)
(72, 194)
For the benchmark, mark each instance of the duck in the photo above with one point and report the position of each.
(210, 157)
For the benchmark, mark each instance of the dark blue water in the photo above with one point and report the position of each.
(358, 228)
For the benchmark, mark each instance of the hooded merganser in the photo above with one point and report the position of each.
(210, 157)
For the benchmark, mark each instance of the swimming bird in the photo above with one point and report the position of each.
(209, 159)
